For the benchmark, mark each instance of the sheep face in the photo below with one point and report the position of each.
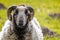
(21, 15)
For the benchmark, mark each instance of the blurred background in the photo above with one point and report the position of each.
(46, 11)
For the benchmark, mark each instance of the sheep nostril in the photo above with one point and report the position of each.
(21, 23)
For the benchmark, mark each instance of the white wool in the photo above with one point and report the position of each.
(37, 29)
(4, 29)
(6, 25)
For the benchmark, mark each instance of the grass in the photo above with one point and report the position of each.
(42, 9)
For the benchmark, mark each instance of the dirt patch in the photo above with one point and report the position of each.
(48, 32)
(54, 15)
(2, 6)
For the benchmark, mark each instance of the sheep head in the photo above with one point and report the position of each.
(21, 14)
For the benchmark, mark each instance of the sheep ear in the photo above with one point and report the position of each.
(31, 12)
(12, 8)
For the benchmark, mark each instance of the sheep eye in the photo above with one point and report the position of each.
(27, 12)
(16, 12)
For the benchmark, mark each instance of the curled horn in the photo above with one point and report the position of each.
(12, 8)
(31, 12)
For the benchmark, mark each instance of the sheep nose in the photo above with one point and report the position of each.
(21, 22)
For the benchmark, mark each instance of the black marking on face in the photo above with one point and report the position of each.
(27, 12)
(16, 12)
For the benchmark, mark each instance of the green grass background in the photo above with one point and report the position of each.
(42, 9)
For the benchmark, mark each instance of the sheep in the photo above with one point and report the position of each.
(21, 25)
